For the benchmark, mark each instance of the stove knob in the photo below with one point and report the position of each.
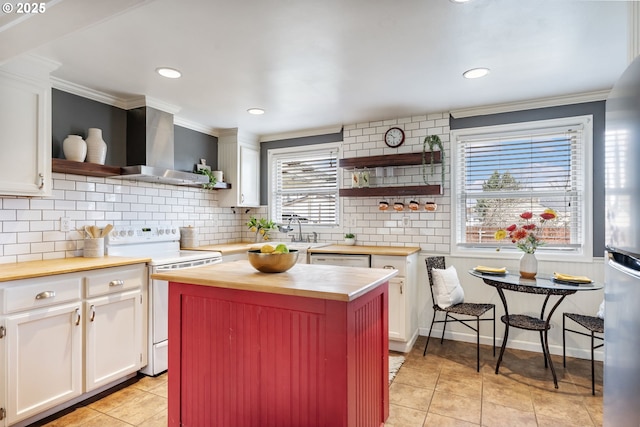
(130, 233)
(123, 233)
(174, 230)
(169, 231)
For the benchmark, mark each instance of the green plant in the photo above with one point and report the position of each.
(432, 141)
(212, 179)
(261, 227)
(349, 236)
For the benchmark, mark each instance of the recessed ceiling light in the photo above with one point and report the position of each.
(459, 1)
(255, 111)
(170, 73)
(475, 73)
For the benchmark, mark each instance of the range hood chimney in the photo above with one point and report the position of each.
(150, 149)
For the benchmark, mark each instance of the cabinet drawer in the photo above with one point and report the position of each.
(390, 261)
(41, 292)
(115, 279)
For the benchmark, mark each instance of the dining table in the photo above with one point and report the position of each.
(541, 285)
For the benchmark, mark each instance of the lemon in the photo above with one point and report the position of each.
(267, 249)
(282, 249)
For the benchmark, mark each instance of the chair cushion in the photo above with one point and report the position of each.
(446, 286)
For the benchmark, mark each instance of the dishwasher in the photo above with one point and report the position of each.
(341, 259)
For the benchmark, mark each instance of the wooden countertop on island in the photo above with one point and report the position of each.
(312, 281)
(31, 269)
(366, 250)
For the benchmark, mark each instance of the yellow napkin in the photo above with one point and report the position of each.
(569, 278)
(482, 268)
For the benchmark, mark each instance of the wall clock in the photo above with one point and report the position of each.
(394, 137)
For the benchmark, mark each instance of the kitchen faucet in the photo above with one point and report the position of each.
(288, 228)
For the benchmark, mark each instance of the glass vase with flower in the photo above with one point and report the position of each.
(527, 236)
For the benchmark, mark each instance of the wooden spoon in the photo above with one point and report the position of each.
(106, 230)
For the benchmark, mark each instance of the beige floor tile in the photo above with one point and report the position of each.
(116, 399)
(147, 383)
(410, 396)
(139, 410)
(456, 406)
(503, 391)
(77, 417)
(161, 390)
(158, 420)
(566, 408)
(416, 378)
(494, 415)
(400, 416)
(462, 384)
(436, 420)
(104, 420)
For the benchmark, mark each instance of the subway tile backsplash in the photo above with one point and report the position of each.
(30, 227)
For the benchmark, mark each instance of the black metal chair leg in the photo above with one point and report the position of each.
(429, 336)
(478, 344)
(564, 343)
(444, 328)
(593, 370)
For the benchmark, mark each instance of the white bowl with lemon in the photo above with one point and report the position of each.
(273, 259)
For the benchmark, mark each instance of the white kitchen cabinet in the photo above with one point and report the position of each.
(42, 344)
(403, 310)
(114, 336)
(51, 339)
(25, 127)
(239, 159)
(397, 308)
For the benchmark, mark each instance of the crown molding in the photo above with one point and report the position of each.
(530, 105)
(85, 92)
(182, 122)
(301, 134)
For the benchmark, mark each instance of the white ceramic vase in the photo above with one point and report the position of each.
(96, 147)
(349, 242)
(74, 148)
(528, 266)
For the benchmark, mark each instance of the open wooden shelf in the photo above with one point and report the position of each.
(83, 168)
(406, 159)
(412, 190)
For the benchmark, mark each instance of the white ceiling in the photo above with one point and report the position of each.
(315, 64)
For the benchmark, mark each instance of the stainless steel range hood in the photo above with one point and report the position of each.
(150, 149)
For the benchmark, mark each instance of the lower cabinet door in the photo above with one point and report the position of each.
(113, 337)
(44, 359)
(397, 309)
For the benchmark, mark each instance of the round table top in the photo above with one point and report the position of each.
(540, 283)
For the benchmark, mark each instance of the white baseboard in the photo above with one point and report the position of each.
(404, 346)
(580, 353)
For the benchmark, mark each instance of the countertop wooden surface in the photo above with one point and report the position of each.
(31, 269)
(366, 250)
(311, 281)
(234, 248)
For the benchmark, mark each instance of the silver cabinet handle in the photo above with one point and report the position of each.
(389, 267)
(78, 316)
(93, 313)
(116, 283)
(46, 294)
(41, 181)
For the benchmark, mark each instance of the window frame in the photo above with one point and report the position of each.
(585, 251)
(274, 153)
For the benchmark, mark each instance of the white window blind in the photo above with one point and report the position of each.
(500, 175)
(305, 185)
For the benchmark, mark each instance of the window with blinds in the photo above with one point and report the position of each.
(502, 172)
(305, 184)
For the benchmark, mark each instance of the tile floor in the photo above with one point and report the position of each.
(441, 389)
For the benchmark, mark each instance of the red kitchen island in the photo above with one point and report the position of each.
(307, 347)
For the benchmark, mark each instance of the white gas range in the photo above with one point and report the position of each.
(162, 245)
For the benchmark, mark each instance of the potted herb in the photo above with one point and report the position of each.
(350, 239)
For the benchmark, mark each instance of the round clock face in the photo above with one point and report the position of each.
(394, 137)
